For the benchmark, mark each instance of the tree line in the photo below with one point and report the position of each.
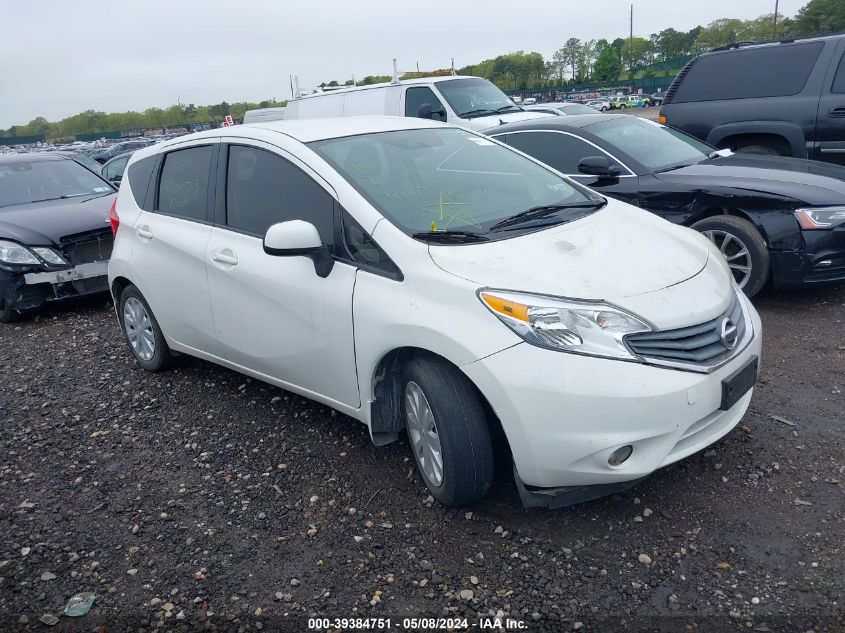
(575, 62)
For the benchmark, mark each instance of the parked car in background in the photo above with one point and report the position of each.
(113, 169)
(655, 98)
(770, 217)
(83, 159)
(560, 108)
(119, 148)
(55, 239)
(602, 105)
(467, 101)
(628, 101)
(785, 98)
(264, 114)
(408, 274)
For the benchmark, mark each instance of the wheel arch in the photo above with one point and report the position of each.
(386, 420)
(710, 212)
(786, 137)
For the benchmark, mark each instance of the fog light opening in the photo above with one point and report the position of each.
(620, 455)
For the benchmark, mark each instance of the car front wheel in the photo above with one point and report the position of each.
(142, 332)
(447, 429)
(7, 314)
(743, 248)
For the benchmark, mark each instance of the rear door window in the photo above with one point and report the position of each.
(183, 185)
(839, 80)
(263, 188)
(767, 71)
(560, 151)
(139, 174)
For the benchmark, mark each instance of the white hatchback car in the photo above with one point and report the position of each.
(422, 278)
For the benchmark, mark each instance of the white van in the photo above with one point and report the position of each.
(470, 102)
(264, 114)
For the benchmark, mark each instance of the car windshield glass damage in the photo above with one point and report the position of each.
(475, 97)
(36, 181)
(451, 181)
(655, 146)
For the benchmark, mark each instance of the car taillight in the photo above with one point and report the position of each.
(113, 219)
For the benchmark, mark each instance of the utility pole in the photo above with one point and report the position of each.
(631, 40)
(775, 21)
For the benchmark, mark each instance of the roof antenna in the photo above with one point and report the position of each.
(453, 67)
(298, 92)
(395, 78)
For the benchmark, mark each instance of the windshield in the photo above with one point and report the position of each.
(655, 146)
(474, 97)
(446, 179)
(46, 180)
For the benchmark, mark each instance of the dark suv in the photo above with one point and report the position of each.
(784, 98)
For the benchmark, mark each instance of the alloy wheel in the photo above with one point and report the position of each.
(139, 328)
(422, 431)
(735, 252)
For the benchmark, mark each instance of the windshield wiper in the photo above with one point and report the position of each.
(535, 213)
(509, 108)
(450, 236)
(481, 112)
(65, 196)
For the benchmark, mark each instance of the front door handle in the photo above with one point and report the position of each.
(837, 112)
(224, 258)
(144, 232)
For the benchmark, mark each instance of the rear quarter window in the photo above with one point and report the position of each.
(769, 71)
(139, 174)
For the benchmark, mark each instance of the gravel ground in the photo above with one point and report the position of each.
(199, 497)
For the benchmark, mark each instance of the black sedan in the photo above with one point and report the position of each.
(55, 236)
(770, 216)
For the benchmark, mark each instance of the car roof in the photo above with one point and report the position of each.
(119, 156)
(307, 130)
(32, 157)
(569, 121)
(402, 82)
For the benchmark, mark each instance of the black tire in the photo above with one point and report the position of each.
(162, 357)
(623, 107)
(604, 109)
(8, 315)
(460, 425)
(748, 236)
(759, 149)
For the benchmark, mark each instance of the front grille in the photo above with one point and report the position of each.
(698, 344)
(85, 248)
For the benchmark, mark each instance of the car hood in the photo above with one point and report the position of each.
(807, 181)
(616, 253)
(491, 121)
(43, 223)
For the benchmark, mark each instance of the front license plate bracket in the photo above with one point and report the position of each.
(738, 383)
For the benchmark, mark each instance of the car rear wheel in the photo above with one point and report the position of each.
(743, 248)
(603, 108)
(142, 332)
(759, 149)
(447, 429)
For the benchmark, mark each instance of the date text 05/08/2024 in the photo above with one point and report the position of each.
(415, 624)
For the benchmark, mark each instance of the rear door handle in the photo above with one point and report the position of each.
(838, 111)
(224, 258)
(144, 232)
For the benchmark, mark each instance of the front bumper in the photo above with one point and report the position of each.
(564, 414)
(821, 261)
(28, 290)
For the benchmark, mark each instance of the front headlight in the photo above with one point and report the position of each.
(815, 218)
(49, 255)
(12, 253)
(595, 329)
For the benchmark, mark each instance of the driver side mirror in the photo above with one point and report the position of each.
(598, 166)
(425, 112)
(297, 238)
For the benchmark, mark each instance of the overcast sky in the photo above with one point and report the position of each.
(60, 57)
